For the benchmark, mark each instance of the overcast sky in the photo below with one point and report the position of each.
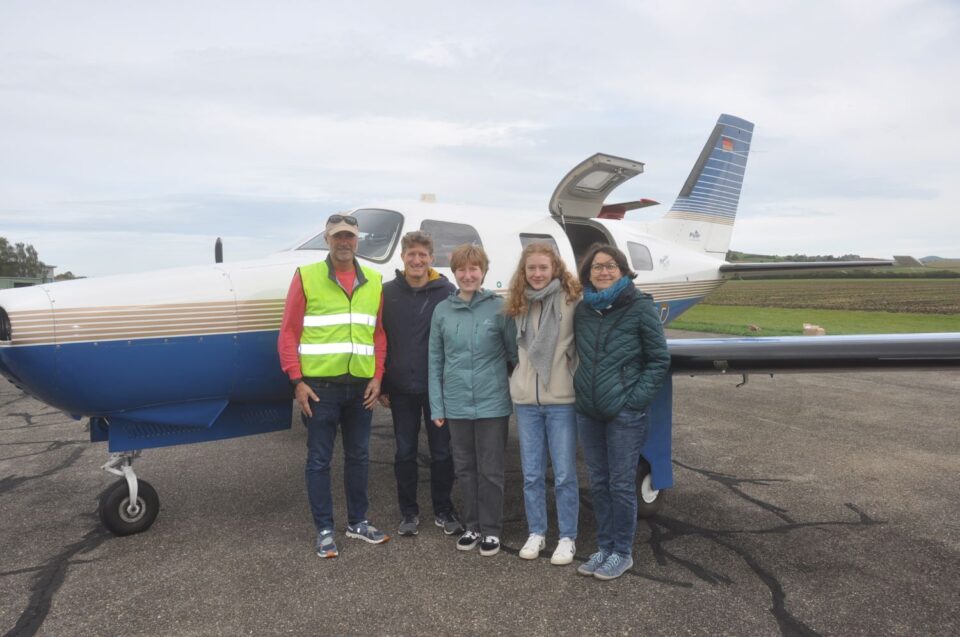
(133, 134)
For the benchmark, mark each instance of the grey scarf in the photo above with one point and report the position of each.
(541, 346)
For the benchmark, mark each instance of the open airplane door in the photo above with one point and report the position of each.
(584, 189)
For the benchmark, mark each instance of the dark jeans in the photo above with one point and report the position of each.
(408, 411)
(612, 451)
(339, 404)
(478, 450)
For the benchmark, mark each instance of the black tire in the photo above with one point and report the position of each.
(649, 502)
(113, 508)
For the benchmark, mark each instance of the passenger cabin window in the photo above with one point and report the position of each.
(379, 231)
(447, 236)
(527, 239)
(640, 256)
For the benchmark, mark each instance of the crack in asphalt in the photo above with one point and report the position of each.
(47, 580)
(10, 483)
(733, 484)
(52, 445)
(664, 529)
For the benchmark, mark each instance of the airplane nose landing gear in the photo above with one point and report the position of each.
(130, 505)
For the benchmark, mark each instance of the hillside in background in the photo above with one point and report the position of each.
(932, 268)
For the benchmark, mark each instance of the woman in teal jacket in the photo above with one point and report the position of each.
(471, 343)
(623, 362)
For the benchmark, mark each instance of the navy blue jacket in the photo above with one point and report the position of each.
(406, 320)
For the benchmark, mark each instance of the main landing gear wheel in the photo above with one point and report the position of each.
(123, 518)
(649, 500)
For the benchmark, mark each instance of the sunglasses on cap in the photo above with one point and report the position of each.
(350, 221)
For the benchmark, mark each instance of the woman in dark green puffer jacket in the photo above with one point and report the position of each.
(623, 362)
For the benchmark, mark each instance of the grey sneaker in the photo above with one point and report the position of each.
(615, 566)
(596, 560)
(449, 522)
(326, 547)
(409, 526)
(367, 532)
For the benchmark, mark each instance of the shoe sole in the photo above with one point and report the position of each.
(408, 533)
(585, 572)
(461, 547)
(357, 536)
(563, 561)
(607, 578)
(489, 552)
(327, 554)
(528, 556)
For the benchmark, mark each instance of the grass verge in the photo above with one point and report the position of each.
(776, 321)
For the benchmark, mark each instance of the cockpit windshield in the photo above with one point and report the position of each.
(379, 230)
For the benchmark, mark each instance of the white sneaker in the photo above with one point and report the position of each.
(531, 550)
(566, 548)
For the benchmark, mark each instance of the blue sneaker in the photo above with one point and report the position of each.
(615, 566)
(367, 532)
(590, 567)
(326, 547)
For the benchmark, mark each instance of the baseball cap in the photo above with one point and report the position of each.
(342, 223)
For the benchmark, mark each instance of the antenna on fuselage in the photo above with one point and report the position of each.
(218, 251)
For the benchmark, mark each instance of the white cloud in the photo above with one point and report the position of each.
(251, 116)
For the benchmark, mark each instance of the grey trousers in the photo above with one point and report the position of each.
(478, 448)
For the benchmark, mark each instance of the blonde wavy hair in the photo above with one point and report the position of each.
(517, 300)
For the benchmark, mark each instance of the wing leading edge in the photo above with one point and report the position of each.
(815, 353)
(799, 266)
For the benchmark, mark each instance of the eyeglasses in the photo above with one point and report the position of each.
(350, 221)
(610, 266)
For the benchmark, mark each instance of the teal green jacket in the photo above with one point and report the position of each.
(470, 347)
(623, 356)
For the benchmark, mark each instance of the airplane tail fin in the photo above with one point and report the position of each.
(702, 217)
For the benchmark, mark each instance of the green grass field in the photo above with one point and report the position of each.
(846, 306)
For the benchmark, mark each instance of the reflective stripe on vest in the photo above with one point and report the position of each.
(338, 330)
(340, 319)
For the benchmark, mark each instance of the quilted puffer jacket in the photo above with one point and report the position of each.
(623, 355)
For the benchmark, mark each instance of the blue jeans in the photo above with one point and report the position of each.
(612, 452)
(408, 411)
(552, 428)
(340, 404)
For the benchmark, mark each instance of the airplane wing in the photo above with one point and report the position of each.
(789, 266)
(815, 353)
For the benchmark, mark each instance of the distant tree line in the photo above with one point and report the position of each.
(22, 260)
(733, 255)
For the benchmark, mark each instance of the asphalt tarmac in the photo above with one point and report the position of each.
(804, 505)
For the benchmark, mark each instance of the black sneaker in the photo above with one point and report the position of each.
(409, 526)
(468, 540)
(490, 545)
(449, 522)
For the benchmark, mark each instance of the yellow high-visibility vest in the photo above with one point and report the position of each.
(338, 329)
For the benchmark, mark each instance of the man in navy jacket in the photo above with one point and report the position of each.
(408, 304)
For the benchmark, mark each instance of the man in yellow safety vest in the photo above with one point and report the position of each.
(332, 347)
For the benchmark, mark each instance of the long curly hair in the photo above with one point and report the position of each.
(516, 299)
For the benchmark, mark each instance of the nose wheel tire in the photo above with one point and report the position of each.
(649, 500)
(120, 516)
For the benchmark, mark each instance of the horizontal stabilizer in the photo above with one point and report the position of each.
(618, 210)
(796, 266)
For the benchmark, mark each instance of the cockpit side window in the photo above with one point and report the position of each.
(447, 236)
(379, 232)
(640, 256)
